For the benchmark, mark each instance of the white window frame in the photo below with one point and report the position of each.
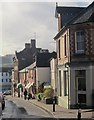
(82, 40)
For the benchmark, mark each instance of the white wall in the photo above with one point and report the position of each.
(53, 63)
(43, 75)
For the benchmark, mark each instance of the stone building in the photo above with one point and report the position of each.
(75, 55)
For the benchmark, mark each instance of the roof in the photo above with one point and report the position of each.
(26, 57)
(67, 13)
(42, 59)
(85, 15)
(64, 9)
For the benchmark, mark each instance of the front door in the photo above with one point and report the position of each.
(81, 90)
(81, 86)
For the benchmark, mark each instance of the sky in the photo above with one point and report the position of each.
(23, 20)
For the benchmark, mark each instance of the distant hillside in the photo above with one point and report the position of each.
(6, 61)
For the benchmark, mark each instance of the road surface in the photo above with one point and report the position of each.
(20, 108)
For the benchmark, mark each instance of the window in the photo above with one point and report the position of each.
(65, 83)
(6, 80)
(6, 73)
(2, 80)
(79, 42)
(9, 80)
(65, 45)
(59, 49)
(81, 80)
(60, 83)
(2, 74)
(81, 83)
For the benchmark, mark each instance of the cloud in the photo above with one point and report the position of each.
(20, 20)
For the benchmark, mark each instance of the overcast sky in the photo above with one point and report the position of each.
(22, 21)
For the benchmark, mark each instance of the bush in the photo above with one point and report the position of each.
(41, 88)
(48, 92)
(40, 96)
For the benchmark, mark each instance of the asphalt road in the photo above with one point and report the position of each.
(20, 108)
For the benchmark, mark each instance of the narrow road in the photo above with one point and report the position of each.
(12, 111)
(20, 108)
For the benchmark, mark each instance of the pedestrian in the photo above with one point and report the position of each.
(25, 94)
(29, 96)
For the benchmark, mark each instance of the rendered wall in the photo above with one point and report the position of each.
(43, 75)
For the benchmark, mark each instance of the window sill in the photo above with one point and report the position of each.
(78, 54)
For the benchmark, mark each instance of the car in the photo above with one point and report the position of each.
(2, 101)
(8, 92)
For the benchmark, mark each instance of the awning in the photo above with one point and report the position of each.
(29, 85)
(19, 85)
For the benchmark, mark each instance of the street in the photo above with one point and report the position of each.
(20, 108)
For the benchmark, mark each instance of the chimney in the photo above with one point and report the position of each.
(59, 22)
(27, 45)
(33, 43)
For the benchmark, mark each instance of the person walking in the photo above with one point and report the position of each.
(25, 94)
(29, 96)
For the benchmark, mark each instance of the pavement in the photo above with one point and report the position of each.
(61, 112)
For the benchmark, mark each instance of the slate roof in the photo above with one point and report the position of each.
(26, 57)
(43, 59)
(86, 15)
(67, 13)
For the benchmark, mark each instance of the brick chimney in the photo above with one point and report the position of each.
(59, 22)
(27, 45)
(33, 43)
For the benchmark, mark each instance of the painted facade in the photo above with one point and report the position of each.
(53, 70)
(75, 55)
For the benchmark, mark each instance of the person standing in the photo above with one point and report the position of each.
(25, 94)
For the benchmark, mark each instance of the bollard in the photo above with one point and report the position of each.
(79, 114)
(53, 104)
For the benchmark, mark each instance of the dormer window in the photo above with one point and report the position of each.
(79, 42)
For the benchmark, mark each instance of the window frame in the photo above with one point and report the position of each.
(59, 49)
(65, 45)
(82, 40)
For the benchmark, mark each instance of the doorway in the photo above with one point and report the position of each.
(81, 86)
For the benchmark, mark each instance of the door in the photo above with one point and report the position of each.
(81, 90)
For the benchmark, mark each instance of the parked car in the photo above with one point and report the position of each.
(7, 92)
(2, 101)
